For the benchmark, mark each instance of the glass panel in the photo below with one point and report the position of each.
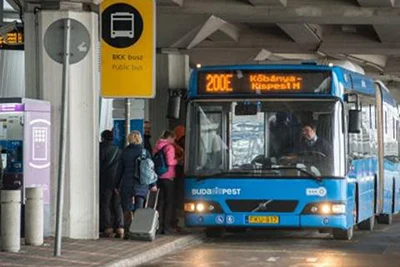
(247, 138)
(276, 138)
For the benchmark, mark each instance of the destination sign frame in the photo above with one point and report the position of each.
(263, 82)
(14, 40)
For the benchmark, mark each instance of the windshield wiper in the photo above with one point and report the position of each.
(254, 173)
(298, 169)
(226, 173)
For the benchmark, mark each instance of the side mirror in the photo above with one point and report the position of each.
(174, 104)
(354, 121)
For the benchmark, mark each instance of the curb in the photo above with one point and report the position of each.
(158, 252)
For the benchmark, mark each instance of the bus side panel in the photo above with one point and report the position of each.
(397, 194)
(351, 205)
(364, 170)
(390, 174)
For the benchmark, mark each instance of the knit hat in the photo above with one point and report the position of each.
(179, 132)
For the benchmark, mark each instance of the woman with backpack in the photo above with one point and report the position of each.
(165, 145)
(132, 191)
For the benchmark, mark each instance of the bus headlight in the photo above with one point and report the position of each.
(338, 208)
(202, 207)
(325, 208)
(189, 207)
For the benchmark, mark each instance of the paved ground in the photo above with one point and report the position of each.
(293, 248)
(102, 252)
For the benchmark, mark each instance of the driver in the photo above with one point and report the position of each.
(311, 142)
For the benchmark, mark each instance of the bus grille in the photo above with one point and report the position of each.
(262, 205)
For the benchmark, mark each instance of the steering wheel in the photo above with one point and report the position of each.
(260, 160)
(311, 152)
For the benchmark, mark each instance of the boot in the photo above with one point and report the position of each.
(109, 232)
(120, 233)
(127, 223)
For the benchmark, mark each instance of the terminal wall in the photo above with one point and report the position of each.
(12, 73)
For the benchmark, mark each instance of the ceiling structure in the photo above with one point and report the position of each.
(366, 32)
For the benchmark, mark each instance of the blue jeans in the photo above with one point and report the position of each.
(139, 202)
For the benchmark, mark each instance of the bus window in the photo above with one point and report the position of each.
(271, 136)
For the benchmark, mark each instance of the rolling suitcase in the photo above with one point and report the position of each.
(145, 221)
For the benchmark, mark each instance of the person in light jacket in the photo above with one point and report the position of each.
(166, 182)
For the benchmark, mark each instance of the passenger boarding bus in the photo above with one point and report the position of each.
(290, 146)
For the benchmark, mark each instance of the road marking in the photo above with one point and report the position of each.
(252, 259)
(273, 259)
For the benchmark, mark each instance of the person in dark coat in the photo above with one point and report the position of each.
(312, 142)
(131, 189)
(110, 201)
(147, 136)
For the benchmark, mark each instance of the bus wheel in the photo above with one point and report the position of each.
(368, 224)
(341, 234)
(385, 219)
(214, 232)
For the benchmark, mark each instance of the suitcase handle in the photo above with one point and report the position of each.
(156, 200)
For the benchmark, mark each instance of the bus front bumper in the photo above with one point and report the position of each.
(266, 220)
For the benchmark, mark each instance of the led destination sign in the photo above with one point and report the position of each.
(12, 41)
(263, 82)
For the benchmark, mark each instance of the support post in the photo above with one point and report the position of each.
(34, 215)
(127, 119)
(63, 137)
(1, 12)
(10, 220)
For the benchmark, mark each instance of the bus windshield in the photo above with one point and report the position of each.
(265, 138)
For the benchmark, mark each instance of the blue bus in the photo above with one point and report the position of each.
(290, 146)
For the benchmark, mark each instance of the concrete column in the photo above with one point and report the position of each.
(172, 73)
(10, 220)
(34, 215)
(81, 200)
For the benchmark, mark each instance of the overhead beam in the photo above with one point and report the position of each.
(336, 48)
(335, 13)
(13, 4)
(212, 25)
(274, 3)
(392, 65)
(373, 48)
(10, 15)
(303, 33)
(376, 3)
(170, 2)
(388, 33)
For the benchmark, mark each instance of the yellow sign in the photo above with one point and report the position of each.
(264, 219)
(128, 48)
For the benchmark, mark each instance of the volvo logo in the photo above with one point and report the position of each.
(262, 206)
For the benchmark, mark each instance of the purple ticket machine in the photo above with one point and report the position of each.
(25, 147)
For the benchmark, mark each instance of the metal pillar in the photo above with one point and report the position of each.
(63, 137)
(34, 215)
(1, 12)
(127, 119)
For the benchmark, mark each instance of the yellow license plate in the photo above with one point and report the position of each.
(264, 219)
